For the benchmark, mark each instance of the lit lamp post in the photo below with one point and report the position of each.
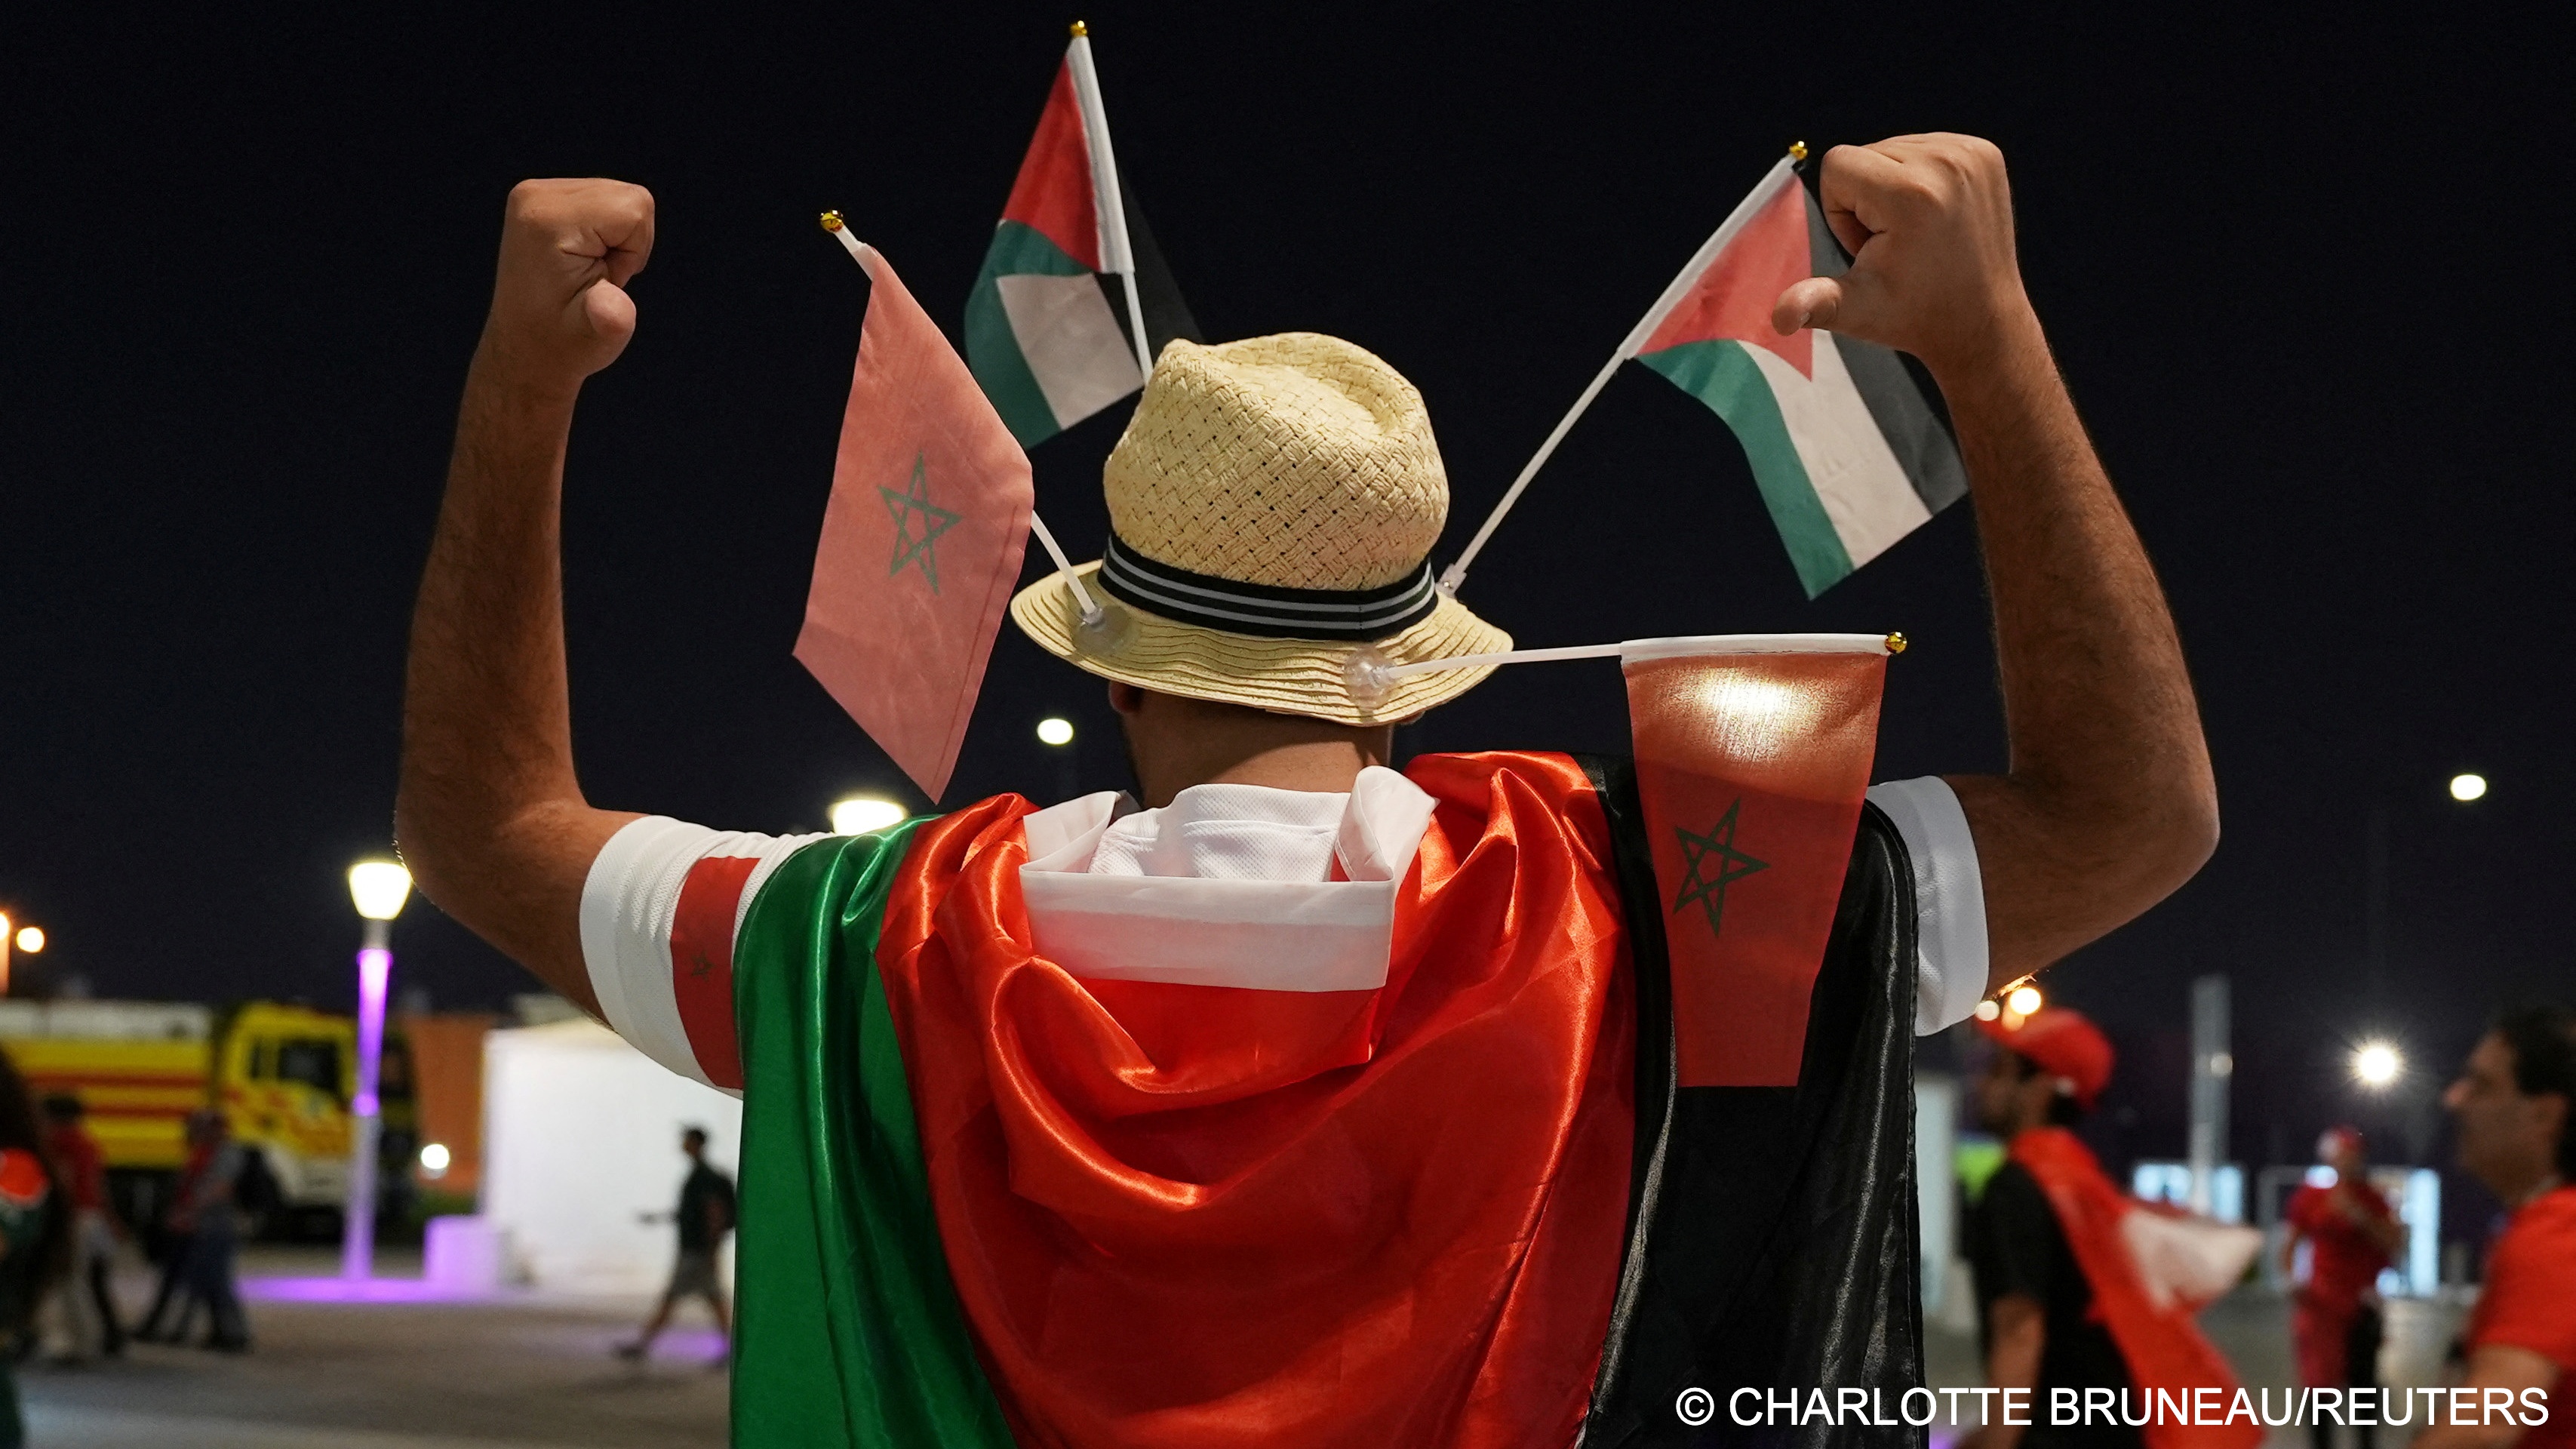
(379, 888)
(28, 939)
(1056, 733)
(860, 814)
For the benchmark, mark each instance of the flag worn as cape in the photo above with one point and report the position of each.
(2150, 1274)
(1049, 324)
(1845, 444)
(985, 1199)
(921, 539)
(987, 1203)
(1751, 769)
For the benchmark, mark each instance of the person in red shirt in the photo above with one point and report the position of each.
(2512, 1104)
(88, 1305)
(2351, 1236)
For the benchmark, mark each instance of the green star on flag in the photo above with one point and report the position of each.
(934, 522)
(1732, 865)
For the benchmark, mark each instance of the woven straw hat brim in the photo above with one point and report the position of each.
(1287, 676)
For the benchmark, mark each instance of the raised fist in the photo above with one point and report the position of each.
(559, 306)
(1928, 221)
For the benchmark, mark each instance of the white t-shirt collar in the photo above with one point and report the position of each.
(1239, 832)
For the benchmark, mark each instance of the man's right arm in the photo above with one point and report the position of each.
(490, 817)
(2107, 803)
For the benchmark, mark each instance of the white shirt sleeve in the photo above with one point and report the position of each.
(1949, 899)
(629, 905)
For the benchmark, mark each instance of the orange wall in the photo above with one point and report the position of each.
(447, 1074)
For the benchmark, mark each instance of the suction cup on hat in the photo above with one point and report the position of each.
(1366, 674)
(1106, 633)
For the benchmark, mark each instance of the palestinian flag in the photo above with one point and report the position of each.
(1847, 447)
(1051, 327)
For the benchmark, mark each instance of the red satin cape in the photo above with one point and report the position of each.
(1204, 1217)
(2164, 1347)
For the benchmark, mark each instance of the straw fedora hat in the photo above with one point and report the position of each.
(1272, 507)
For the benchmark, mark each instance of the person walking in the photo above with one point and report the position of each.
(206, 1229)
(2512, 1104)
(35, 1239)
(2351, 1235)
(166, 1321)
(86, 1301)
(2038, 1327)
(703, 1218)
(2065, 1305)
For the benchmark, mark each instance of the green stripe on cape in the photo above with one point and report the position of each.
(849, 1334)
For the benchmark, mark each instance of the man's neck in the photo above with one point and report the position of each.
(1175, 744)
(1326, 766)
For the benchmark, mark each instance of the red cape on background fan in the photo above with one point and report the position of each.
(2139, 1293)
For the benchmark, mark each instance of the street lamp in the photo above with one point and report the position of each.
(30, 939)
(1055, 730)
(379, 888)
(860, 814)
(2377, 1065)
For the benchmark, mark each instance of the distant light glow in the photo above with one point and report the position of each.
(2465, 788)
(2024, 1000)
(379, 888)
(862, 813)
(1988, 1011)
(1055, 730)
(434, 1158)
(31, 939)
(2376, 1064)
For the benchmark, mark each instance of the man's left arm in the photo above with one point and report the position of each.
(2107, 803)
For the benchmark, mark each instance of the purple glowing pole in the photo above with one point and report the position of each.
(379, 888)
(366, 1125)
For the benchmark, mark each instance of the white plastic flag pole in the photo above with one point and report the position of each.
(1678, 288)
(860, 252)
(1115, 253)
(1081, 596)
(1368, 674)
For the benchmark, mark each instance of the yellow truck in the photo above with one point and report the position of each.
(282, 1075)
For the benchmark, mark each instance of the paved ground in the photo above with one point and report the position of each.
(521, 1374)
(535, 1373)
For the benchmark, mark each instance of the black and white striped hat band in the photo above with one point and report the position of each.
(1358, 615)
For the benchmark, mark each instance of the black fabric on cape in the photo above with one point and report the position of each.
(1772, 1239)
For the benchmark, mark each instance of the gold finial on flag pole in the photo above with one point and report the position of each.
(1080, 29)
(1895, 643)
(831, 221)
(1797, 150)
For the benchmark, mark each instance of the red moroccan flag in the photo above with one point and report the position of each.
(1751, 767)
(921, 539)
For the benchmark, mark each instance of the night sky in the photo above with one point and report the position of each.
(2305, 280)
